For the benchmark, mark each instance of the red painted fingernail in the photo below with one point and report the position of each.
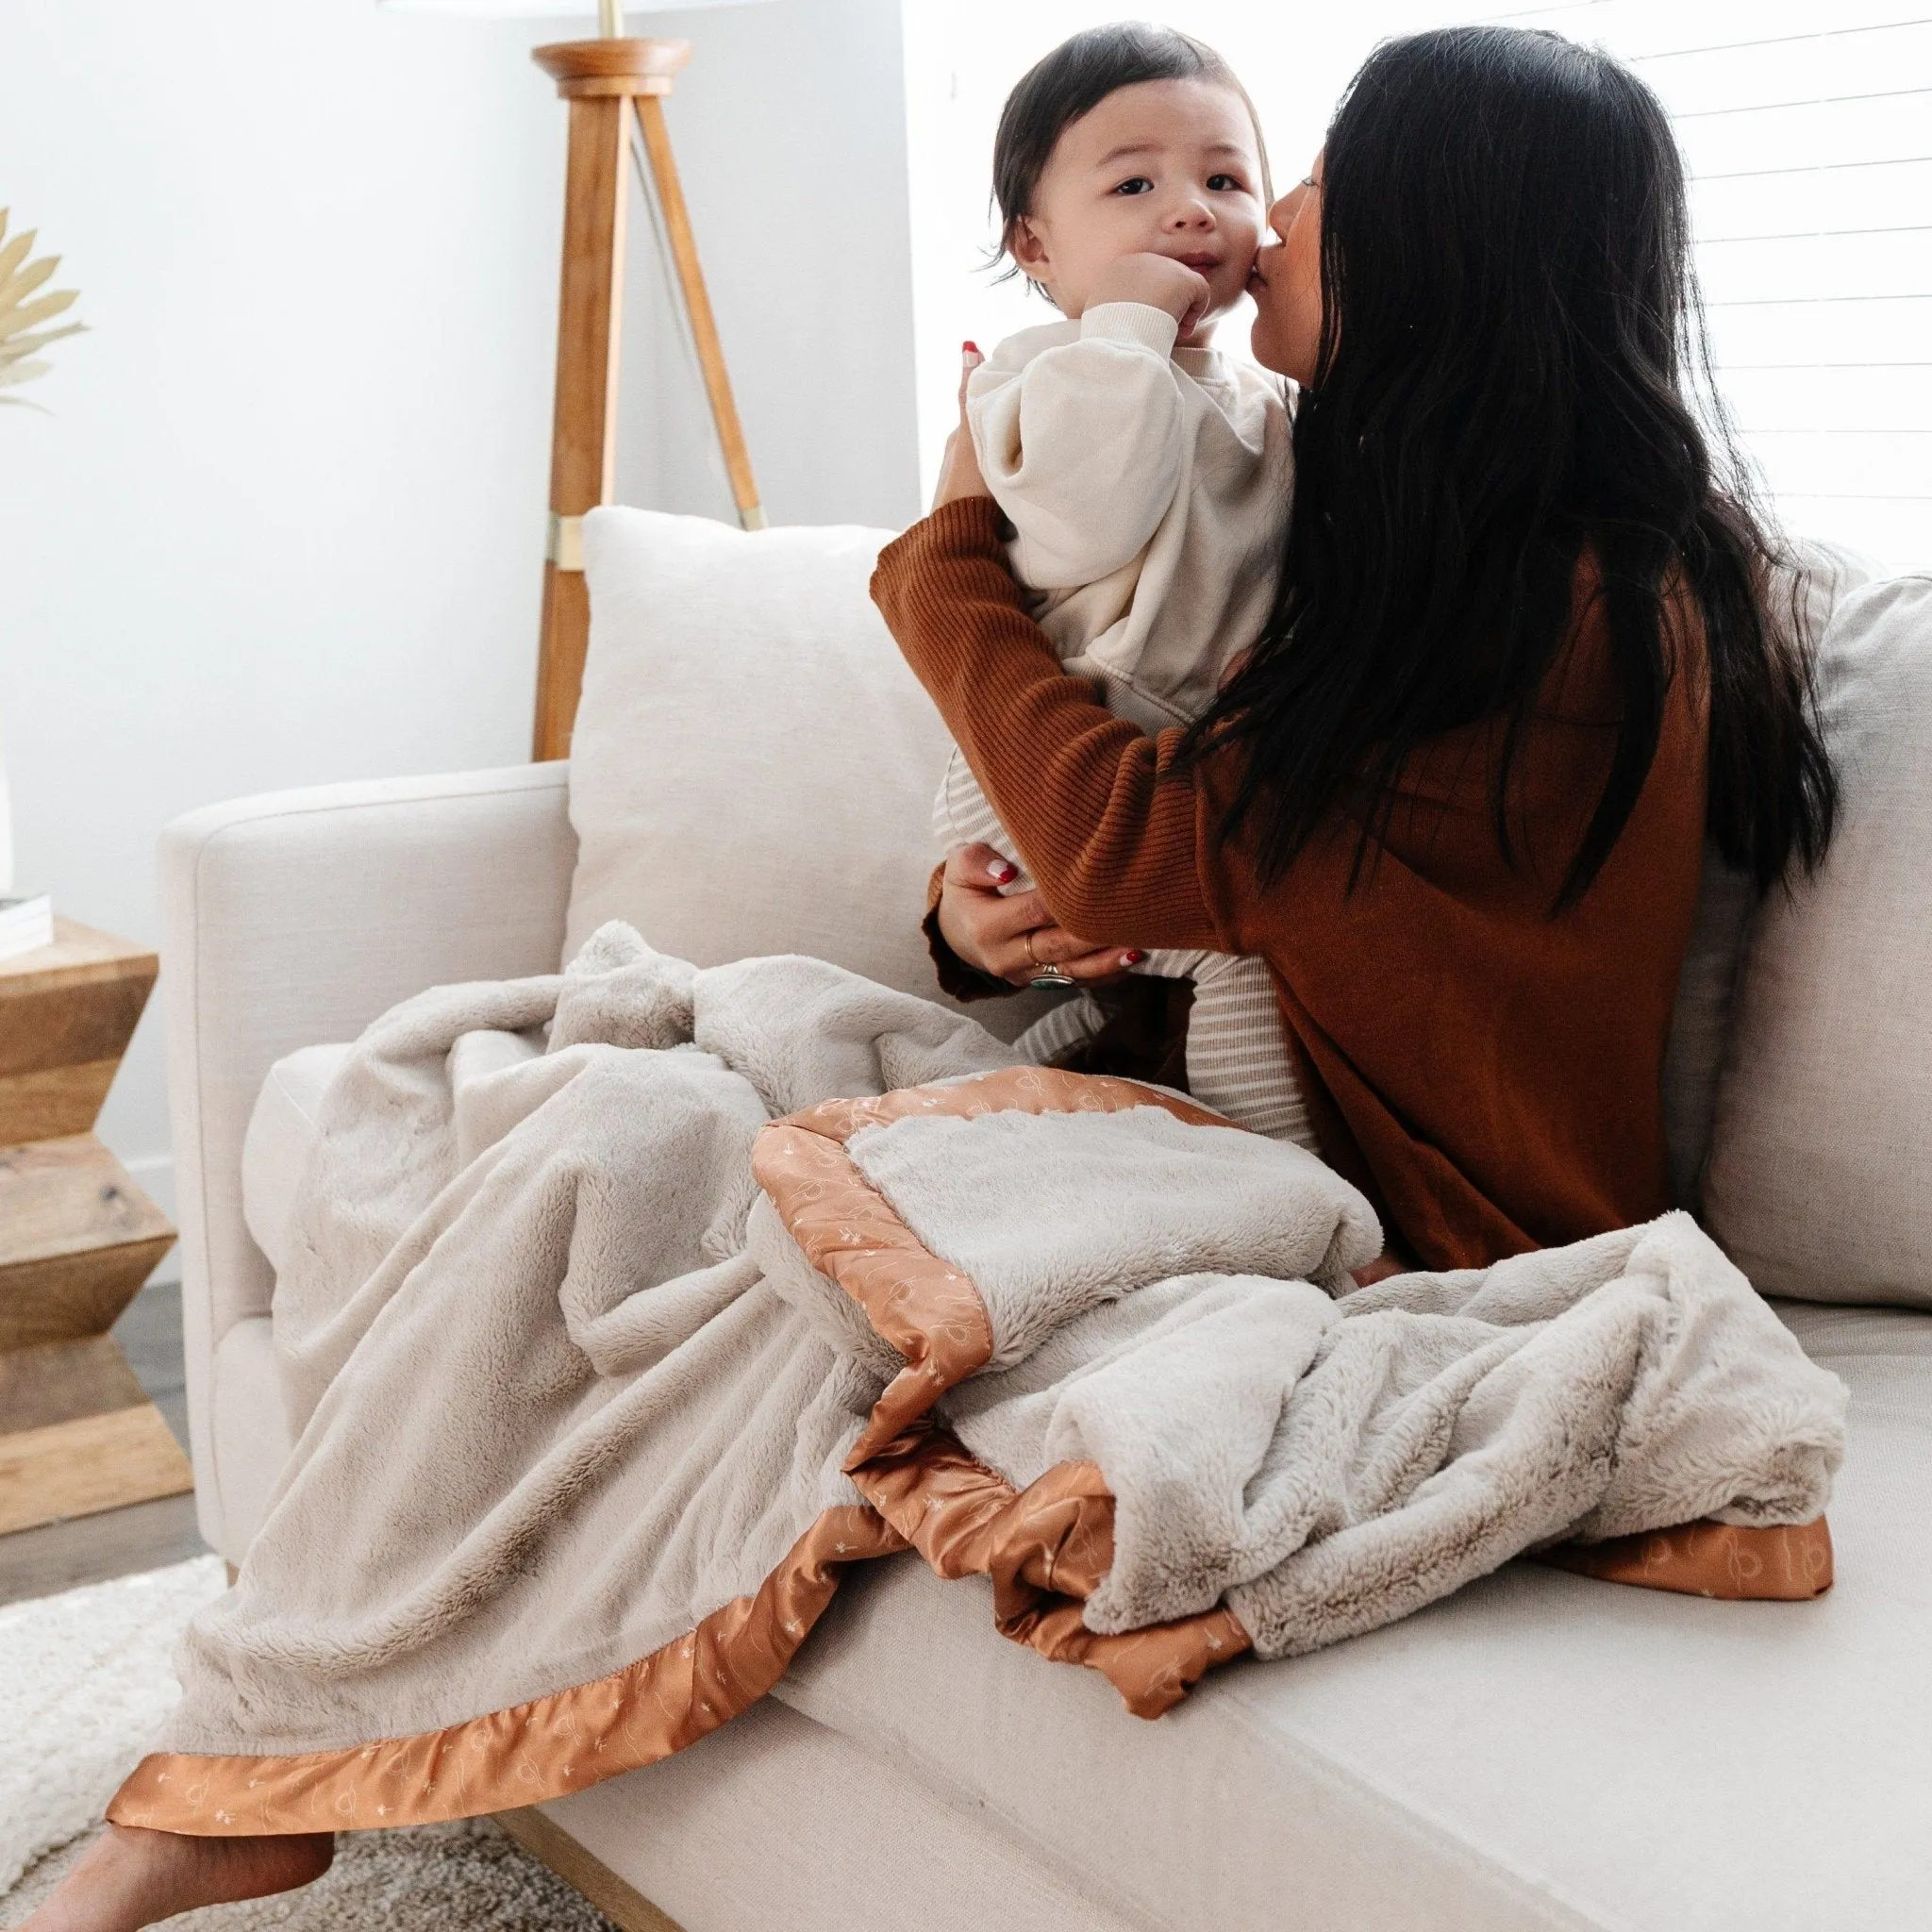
(969, 347)
(1003, 871)
(1133, 959)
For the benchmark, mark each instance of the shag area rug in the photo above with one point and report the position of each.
(86, 1678)
(464, 1877)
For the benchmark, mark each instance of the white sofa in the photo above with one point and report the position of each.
(1540, 1750)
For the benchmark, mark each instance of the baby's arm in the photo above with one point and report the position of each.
(1083, 447)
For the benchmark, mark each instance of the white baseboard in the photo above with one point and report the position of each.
(153, 1174)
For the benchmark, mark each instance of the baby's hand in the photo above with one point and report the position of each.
(1158, 281)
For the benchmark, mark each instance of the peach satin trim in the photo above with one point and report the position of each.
(529, 1751)
(1784, 1563)
(924, 1306)
(1046, 1548)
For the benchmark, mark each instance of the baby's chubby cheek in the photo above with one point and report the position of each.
(1232, 280)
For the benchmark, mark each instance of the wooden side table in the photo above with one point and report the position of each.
(77, 1239)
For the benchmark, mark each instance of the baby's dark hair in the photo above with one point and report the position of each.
(1073, 80)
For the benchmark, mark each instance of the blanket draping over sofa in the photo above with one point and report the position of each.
(627, 1306)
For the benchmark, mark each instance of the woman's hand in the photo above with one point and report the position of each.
(960, 467)
(1012, 939)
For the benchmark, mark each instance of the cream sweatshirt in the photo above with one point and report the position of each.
(1148, 490)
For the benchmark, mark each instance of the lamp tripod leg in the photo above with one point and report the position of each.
(697, 306)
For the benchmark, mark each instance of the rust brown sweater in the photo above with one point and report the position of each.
(1490, 1074)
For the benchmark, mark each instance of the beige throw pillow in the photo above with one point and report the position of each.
(1817, 1180)
(1821, 575)
(753, 766)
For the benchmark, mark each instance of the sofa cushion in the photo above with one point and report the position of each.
(753, 765)
(1821, 576)
(1816, 1175)
(1538, 1750)
(776, 1824)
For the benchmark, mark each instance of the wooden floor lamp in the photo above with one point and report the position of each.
(615, 86)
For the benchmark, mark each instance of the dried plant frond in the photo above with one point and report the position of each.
(20, 336)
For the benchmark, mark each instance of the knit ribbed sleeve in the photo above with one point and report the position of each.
(1113, 832)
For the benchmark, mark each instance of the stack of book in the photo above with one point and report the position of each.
(25, 924)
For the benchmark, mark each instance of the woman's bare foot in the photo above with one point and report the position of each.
(131, 1878)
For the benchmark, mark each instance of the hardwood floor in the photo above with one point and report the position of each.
(91, 1549)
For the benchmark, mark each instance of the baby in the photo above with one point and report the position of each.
(1146, 478)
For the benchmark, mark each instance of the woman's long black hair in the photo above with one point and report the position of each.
(1510, 338)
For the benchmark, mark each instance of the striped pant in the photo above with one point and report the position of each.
(1237, 1054)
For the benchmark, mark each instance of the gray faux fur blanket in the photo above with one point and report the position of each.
(627, 1306)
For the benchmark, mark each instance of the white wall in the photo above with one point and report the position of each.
(284, 522)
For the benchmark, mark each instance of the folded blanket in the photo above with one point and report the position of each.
(626, 1307)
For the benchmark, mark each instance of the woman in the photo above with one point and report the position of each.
(1457, 794)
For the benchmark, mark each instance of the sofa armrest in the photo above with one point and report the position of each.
(297, 917)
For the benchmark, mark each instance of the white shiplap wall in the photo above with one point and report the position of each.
(1808, 133)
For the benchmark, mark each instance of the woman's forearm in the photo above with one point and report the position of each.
(1112, 835)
